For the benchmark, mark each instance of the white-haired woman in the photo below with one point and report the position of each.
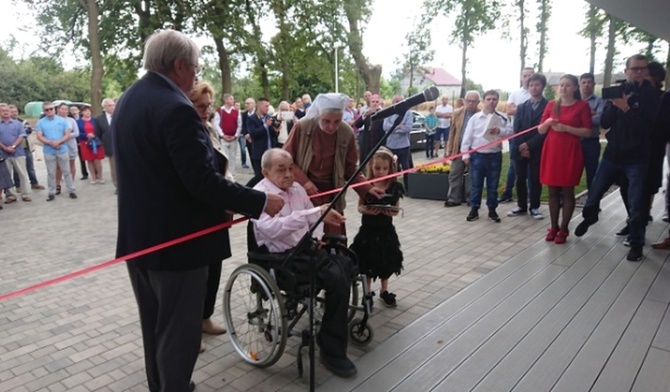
(324, 151)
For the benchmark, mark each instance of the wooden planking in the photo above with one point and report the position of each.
(375, 361)
(587, 365)
(523, 319)
(660, 289)
(654, 375)
(515, 349)
(623, 366)
(662, 339)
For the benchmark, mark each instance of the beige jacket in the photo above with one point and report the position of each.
(454, 142)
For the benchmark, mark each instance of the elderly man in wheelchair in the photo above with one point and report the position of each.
(277, 236)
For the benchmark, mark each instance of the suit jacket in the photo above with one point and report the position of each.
(168, 179)
(454, 143)
(259, 136)
(525, 118)
(102, 126)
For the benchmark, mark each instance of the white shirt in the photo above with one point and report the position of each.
(283, 231)
(442, 109)
(519, 96)
(216, 121)
(476, 134)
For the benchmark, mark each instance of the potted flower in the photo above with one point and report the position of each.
(429, 182)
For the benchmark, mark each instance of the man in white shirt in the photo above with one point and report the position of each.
(515, 99)
(484, 128)
(283, 231)
(227, 122)
(443, 113)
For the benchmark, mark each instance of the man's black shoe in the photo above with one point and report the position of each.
(473, 215)
(84, 177)
(339, 366)
(51, 197)
(623, 232)
(635, 253)
(191, 386)
(493, 215)
(450, 203)
(583, 227)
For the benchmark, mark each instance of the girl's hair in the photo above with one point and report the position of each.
(386, 154)
(556, 110)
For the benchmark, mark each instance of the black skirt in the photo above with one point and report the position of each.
(378, 251)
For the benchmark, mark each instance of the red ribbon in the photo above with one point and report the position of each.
(226, 225)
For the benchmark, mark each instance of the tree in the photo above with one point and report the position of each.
(523, 33)
(356, 12)
(418, 53)
(473, 17)
(593, 31)
(543, 28)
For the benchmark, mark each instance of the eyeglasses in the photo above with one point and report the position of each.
(48, 109)
(638, 69)
(202, 107)
(471, 101)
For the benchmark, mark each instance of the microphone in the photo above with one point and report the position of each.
(429, 94)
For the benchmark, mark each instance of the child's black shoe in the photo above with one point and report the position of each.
(388, 299)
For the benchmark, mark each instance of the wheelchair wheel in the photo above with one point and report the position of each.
(255, 317)
(359, 334)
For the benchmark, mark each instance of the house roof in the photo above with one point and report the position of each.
(439, 76)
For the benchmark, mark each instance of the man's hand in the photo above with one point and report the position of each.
(494, 131)
(90, 136)
(523, 147)
(510, 108)
(248, 137)
(274, 204)
(229, 138)
(333, 217)
(621, 103)
(310, 188)
(268, 122)
(525, 154)
(466, 161)
(376, 192)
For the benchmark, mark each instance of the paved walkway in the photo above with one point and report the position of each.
(84, 335)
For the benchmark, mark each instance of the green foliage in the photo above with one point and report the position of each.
(549, 93)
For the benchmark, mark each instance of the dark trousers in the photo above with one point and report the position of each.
(243, 149)
(485, 166)
(84, 171)
(591, 151)
(170, 305)
(509, 184)
(335, 279)
(528, 170)
(636, 175)
(213, 281)
(430, 146)
(30, 168)
(258, 175)
(404, 162)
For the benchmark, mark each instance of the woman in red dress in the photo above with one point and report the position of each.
(90, 143)
(564, 121)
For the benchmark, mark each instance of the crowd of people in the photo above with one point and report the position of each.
(305, 149)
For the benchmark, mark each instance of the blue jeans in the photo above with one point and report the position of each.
(636, 175)
(485, 166)
(591, 150)
(243, 149)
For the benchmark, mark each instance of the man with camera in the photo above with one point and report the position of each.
(263, 130)
(629, 114)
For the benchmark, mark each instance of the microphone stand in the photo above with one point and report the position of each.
(307, 240)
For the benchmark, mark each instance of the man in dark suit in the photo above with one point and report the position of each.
(263, 137)
(526, 149)
(104, 122)
(169, 186)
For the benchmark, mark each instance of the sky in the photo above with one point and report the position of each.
(493, 58)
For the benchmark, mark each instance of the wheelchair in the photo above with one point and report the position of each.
(264, 300)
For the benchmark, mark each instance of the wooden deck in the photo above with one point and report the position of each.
(573, 317)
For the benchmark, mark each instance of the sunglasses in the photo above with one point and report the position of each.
(48, 109)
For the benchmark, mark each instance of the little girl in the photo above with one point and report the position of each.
(376, 243)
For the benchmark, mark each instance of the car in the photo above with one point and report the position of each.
(417, 138)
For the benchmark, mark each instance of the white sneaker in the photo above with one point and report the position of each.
(536, 214)
(516, 211)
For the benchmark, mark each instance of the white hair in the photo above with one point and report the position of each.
(269, 156)
(107, 100)
(479, 97)
(165, 46)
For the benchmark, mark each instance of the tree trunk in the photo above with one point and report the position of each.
(593, 35)
(609, 60)
(371, 75)
(224, 66)
(543, 34)
(523, 36)
(464, 58)
(96, 57)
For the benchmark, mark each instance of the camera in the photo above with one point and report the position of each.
(276, 122)
(623, 87)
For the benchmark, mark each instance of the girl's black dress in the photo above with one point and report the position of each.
(376, 243)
